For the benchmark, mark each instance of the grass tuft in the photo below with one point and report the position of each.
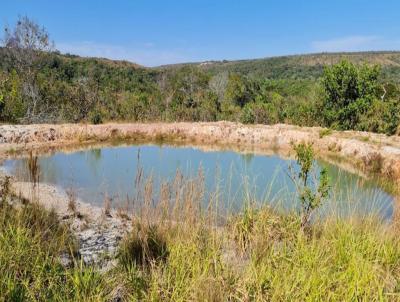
(145, 245)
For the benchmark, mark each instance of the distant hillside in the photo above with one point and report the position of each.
(56, 57)
(295, 67)
(53, 87)
(308, 66)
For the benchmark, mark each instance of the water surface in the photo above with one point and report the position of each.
(230, 178)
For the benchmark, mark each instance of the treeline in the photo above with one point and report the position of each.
(38, 84)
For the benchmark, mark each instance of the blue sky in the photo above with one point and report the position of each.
(152, 32)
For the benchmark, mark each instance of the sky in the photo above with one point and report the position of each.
(152, 33)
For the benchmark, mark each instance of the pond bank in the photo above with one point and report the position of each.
(98, 233)
(371, 153)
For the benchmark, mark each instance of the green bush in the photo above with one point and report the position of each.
(349, 93)
(96, 117)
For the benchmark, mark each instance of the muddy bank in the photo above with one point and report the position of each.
(98, 232)
(369, 152)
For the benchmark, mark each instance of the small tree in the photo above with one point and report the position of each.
(25, 45)
(187, 87)
(312, 190)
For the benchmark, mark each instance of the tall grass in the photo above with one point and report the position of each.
(259, 254)
(31, 243)
(182, 249)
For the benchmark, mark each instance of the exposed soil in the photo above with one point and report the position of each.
(368, 152)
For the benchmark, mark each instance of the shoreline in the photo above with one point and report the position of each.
(98, 233)
(366, 153)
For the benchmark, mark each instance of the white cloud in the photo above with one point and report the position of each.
(146, 54)
(350, 43)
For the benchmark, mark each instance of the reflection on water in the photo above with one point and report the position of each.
(228, 176)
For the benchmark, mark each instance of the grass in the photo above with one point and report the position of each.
(336, 260)
(178, 252)
(325, 132)
(31, 242)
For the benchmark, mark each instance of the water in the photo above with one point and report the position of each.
(229, 177)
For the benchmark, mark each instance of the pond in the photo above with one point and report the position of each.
(229, 178)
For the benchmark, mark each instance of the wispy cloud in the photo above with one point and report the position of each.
(146, 54)
(350, 43)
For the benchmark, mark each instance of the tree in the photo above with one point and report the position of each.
(237, 90)
(218, 84)
(349, 92)
(25, 45)
(3, 80)
(11, 104)
(312, 191)
(188, 86)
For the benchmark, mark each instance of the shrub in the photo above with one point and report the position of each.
(96, 118)
(311, 192)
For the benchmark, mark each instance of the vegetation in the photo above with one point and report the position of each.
(311, 192)
(38, 84)
(31, 242)
(177, 252)
(301, 67)
(352, 97)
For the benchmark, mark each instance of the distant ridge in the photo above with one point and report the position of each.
(305, 66)
(297, 67)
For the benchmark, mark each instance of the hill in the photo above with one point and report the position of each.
(308, 66)
(37, 87)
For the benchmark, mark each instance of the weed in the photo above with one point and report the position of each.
(325, 132)
(334, 147)
(122, 213)
(33, 168)
(5, 189)
(72, 207)
(373, 163)
(107, 206)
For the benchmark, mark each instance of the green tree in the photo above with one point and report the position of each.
(349, 92)
(382, 117)
(12, 107)
(3, 80)
(188, 87)
(237, 90)
(25, 46)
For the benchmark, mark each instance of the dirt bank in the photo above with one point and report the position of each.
(370, 152)
(98, 233)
